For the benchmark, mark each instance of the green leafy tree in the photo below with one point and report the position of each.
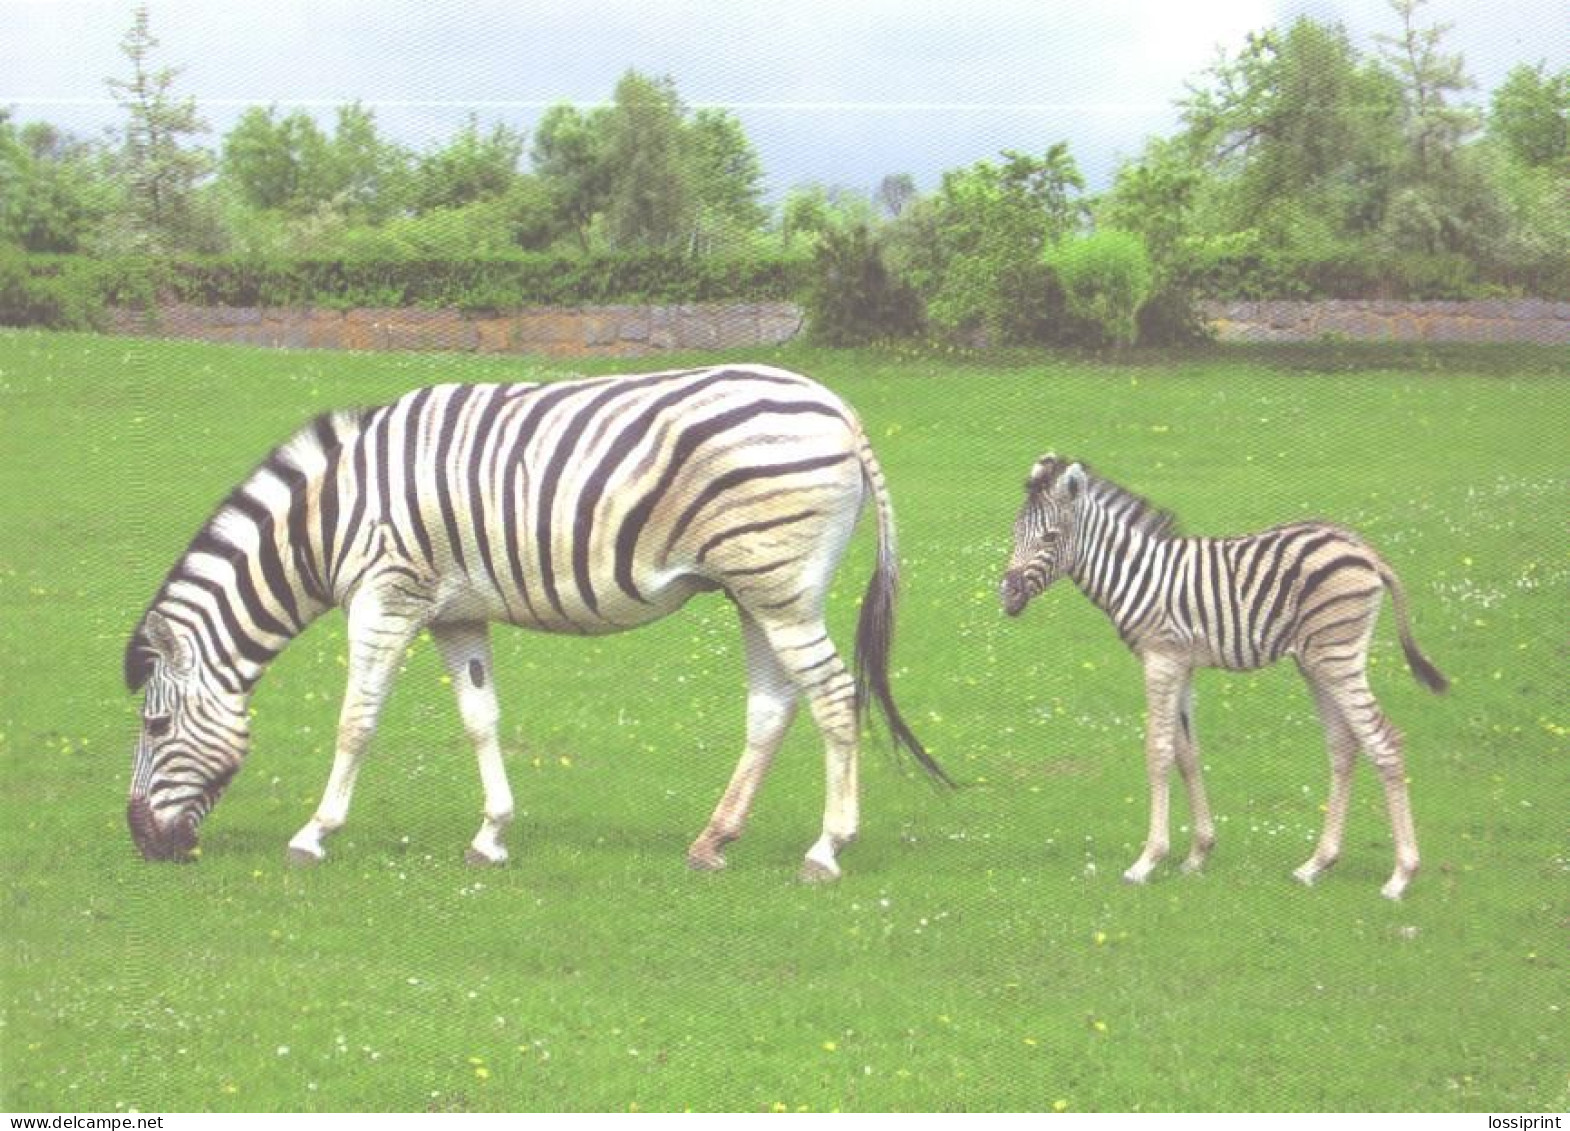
(651, 202)
(1530, 115)
(973, 250)
(1296, 136)
(54, 194)
(283, 164)
(569, 156)
(812, 210)
(1431, 78)
(370, 176)
(160, 167)
(726, 180)
(472, 167)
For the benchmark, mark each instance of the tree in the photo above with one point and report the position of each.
(650, 201)
(569, 157)
(1443, 202)
(1296, 135)
(279, 164)
(1435, 126)
(53, 192)
(973, 250)
(160, 169)
(726, 179)
(471, 167)
(370, 177)
(811, 211)
(895, 193)
(1530, 115)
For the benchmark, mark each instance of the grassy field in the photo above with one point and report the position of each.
(980, 952)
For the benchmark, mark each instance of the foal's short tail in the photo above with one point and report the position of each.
(875, 629)
(1422, 668)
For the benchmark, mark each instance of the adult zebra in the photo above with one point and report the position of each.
(586, 507)
(1308, 590)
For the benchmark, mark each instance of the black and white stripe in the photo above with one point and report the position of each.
(1309, 590)
(581, 507)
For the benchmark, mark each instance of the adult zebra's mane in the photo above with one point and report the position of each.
(294, 463)
(1131, 510)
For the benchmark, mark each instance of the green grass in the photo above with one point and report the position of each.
(980, 952)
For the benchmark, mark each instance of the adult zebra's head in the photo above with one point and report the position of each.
(195, 733)
(1044, 532)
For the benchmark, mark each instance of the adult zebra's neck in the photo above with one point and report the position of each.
(253, 577)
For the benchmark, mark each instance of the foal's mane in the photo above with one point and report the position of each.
(1131, 510)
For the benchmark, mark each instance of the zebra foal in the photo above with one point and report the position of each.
(581, 507)
(1308, 590)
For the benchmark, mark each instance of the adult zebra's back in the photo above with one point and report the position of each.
(580, 507)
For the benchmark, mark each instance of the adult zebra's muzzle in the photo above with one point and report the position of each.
(176, 841)
(1013, 592)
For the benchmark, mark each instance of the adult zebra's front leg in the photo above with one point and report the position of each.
(466, 652)
(772, 700)
(378, 637)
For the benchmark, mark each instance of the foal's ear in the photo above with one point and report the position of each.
(1073, 480)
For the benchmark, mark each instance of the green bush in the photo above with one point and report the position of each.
(59, 293)
(851, 298)
(1106, 277)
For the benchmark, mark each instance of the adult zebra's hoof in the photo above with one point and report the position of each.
(300, 857)
(475, 858)
(817, 872)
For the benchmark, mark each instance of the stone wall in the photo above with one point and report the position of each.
(637, 331)
(1505, 320)
(591, 331)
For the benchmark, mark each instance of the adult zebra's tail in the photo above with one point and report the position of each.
(1422, 667)
(875, 628)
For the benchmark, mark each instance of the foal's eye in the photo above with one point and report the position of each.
(156, 725)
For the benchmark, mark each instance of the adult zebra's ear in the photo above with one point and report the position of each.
(155, 641)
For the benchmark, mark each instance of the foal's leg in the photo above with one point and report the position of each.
(466, 651)
(1382, 742)
(377, 639)
(1187, 741)
(772, 699)
(1165, 683)
(1342, 747)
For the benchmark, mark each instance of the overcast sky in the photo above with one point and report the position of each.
(834, 92)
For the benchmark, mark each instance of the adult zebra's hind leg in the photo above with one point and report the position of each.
(772, 699)
(805, 652)
(466, 652)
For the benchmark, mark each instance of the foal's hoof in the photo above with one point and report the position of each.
(705, 860)
(476, 858)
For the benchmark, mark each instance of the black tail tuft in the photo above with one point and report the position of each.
(1422, 668)
(874, 641)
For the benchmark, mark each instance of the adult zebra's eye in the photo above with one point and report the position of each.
(156, 725)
